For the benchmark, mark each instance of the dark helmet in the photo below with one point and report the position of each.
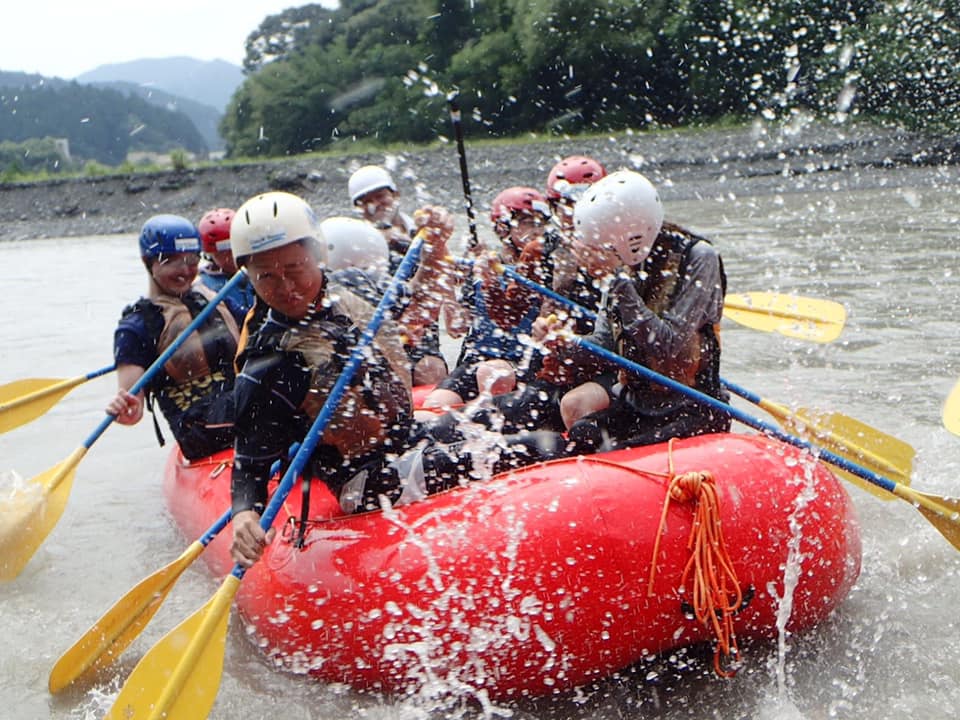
(167, 234)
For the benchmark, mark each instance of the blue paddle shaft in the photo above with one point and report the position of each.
(158, 364)
(313, 435)
(101, 371)
(700, 397)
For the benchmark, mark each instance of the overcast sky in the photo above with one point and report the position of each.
(65, 38)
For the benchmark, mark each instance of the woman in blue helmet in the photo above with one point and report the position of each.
(195, 389)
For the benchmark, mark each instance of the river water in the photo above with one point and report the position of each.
(888, 253)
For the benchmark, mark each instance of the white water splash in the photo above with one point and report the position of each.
(777, 707)
(11, 482)
(791, 572)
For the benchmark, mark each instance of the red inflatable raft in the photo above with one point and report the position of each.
(535, 581)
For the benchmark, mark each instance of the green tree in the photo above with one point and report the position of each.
(281, 35)
(904, 65)
(380, 68)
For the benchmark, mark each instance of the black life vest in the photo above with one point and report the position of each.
(659, 282)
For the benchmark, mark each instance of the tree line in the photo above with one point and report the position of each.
(381, 69)
(100, 124)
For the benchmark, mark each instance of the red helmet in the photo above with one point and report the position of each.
(214, 230)
(518, 200)
(571, 176)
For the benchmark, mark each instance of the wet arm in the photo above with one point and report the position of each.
(699, 300)
(265, 426)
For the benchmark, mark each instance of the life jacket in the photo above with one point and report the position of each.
(206, 354)
(486, 338)
(204, 351)
(659, 281)
(323, 342)
(202, 366)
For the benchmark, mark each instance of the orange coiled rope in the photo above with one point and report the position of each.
(716, 591)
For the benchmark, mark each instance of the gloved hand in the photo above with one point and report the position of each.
(625, 302)
(439, 225)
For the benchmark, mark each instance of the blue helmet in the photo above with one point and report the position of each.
(166, 234)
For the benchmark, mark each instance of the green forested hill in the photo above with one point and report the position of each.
(380, 68)
(100, 124)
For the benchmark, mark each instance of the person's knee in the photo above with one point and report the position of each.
(441, 398)
(583, 401)
(496, 377)
(429, 370)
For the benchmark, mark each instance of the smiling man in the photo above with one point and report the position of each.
(293, 360)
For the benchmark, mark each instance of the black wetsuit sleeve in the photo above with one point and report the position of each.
(131, 342)
(699, 301)
(268, 394)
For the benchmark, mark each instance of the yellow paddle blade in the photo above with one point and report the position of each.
(26, 400)
(179, 676)
(29, 514)
(120, 625)
(790, 315)
(860, 443)
(951, 410)
(943, 513)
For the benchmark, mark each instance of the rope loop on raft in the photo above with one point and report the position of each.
(716, 595)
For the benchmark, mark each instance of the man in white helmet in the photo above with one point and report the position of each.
(293, 360)
(375, 196)
(358, 259)
(295, 356)
(662, 309)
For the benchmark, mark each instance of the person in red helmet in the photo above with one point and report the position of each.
(491, 352)
(519, 215)
(219, 265)
(567, 181)
(551, 252)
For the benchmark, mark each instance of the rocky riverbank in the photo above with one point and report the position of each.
(686, 165)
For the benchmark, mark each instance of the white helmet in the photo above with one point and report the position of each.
(354, 243)
(367, 179)
(622, 210)
(273, 220)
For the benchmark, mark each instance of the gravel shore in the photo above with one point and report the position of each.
(685, 164)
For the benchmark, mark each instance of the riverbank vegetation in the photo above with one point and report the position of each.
(382, 68)
(372, 74)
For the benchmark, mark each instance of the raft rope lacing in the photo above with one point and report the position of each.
(716, 591)
(717, 596)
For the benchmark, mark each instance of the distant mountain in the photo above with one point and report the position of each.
(206, 118)
(30, 80)
(206, 82)
(102, 124)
